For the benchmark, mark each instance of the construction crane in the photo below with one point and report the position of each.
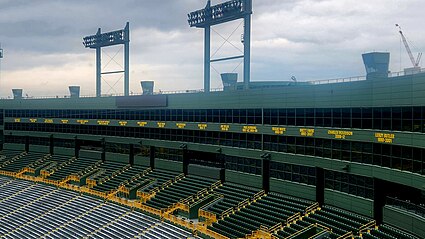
(409, 52)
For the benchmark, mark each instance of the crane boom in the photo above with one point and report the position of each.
(409, 52)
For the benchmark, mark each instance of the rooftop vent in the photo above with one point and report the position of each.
(147, 87)
(74, 91)
(376, 64)
(17, 93)
(229, 81)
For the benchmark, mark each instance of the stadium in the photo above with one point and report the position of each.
(342, 158)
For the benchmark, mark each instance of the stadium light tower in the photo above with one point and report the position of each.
(110, 39)
(218, 14)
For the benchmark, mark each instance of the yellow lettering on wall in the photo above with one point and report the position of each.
(278, 130)
(142, 123)
(82, 121)
(384, 138)
(202, 126)
(307, 132)
(17, 120)
(249, 129)
(103, 122)
(340, 134)
(181, 125)
(33, 120)
(48, 121)
(64, 121)
(161, 124)
(224, 127)
(122, 123)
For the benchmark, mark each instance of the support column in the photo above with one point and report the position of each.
(247, 45)
(186, 161)
(320, 186)
(103, 155)
(131, 155)
(98, 72)
(27, 143)
(378, 200)
(222, 160)
(77, 148)
(127, 60)
(152, 156)
(51, 145)
(207, 58)
(265, 172)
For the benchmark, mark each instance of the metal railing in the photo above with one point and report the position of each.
(406, 205)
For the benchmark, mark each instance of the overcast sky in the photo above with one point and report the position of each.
(309, 39)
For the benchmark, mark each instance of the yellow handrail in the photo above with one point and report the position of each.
(243, 204)
(368, 225)
(292, 218)
(258, 195)
(346, 235)
(312, 208)
(226, 212)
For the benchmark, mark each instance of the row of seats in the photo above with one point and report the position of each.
(158, 176)
(232, 195)
(36, 210)
(267, 211)
(48, 162)
(23, 162)
(182, 189)
(6, 155)
(113, 182)
(387, 232)
(79, 164)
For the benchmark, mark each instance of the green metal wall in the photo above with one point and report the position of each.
(349, 202)
(169, 165)
(204, 171)
(293, 189)
(246, 179)
(405, 220)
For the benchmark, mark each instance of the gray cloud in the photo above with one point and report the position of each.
(311, 39)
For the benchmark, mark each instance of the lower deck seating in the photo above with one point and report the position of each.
(267, 211)
(340, 221)
(74, 167)
(387, 232)
(112, 182)
(6, 155)
(29, 210)
(182, 189)
(22, 162)
(232, 195)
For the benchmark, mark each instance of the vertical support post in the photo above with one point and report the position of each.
(127, 60)
(131, 155)
(379, 199)
(77, 148)
(247, 44)
(207, 59)
(152, 156)
(27, 143)
(98, 73)
(320, 186)
(186, 161)
(222, 161)
(103, 154)
(51, 144)
(266, 172)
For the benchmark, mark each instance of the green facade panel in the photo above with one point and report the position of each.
(349, 202)
(293, 189)
(169, 165)
(405, 220)
(250, 180)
